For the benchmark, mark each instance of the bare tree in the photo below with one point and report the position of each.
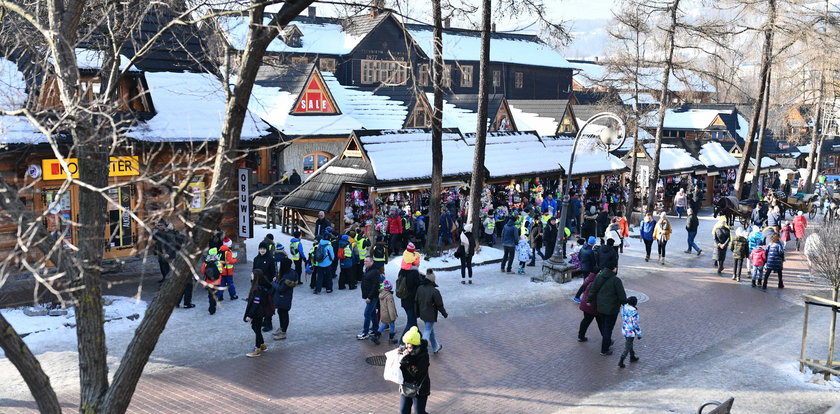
(437, 134)
(477, 180)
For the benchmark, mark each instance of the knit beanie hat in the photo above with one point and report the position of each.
(591, 240)
(412, 336)
(385, 285)
(411, 247)
(227, 242)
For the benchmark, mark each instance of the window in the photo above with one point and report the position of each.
(497, 78)
(327, 65)
(423, 76)
(389, 72)
(419, 118)
(466, 76)
(519, 81)
(300, 60)
(446, 82)
(314, 161)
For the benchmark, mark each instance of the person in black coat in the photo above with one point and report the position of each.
(603, 221)
(550, 237)
(295, 178)
(411, 278)
(256, 310)
(284, 285)
(264, 261)
(588, 261)
(370, 294)
(414, 366)
(608, 256)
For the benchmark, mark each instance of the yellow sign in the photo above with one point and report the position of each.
(120, 166)
(196, 190)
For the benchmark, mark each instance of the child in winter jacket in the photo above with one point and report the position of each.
(212, 271)
(786, 231)
(257, 308)
(630, 328)
(758, 258)
(228, 258)
(523, 251)
(410, 258)
(387, 313)
(756, 238)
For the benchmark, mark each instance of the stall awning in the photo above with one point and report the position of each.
(415, 187)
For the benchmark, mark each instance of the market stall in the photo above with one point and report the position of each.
(721, 166)
(677, 170)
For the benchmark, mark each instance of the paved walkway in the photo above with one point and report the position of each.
(524, 360)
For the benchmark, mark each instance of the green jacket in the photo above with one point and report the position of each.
(740, 248)
(607, 292)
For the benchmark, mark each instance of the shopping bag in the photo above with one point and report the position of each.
(392, 366)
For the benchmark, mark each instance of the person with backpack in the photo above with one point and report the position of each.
(408, 280)
(257, 309)
(758, 258)
(312, 264)
(740, 250)
(284, 285)
(379, 252)
(428, 303)
(362, 251)
(465, 252)
(323, 259)
(334, 240)
(370, 294)
(297, 254)
(228, 259)
(346, 258)
(387, 313)
(265, 263)
(212, 271)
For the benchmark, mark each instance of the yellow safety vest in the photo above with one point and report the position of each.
(293, 247)
(348, 252)
(363, 251)
(491, 224)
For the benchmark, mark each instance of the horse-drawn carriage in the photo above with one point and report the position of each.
(732, 208)
(806, 203)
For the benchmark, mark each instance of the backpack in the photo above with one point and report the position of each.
(378, 251)
(402, 286)
(211, 271)
(341, 254)
(320, 253)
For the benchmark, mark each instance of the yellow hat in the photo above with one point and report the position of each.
(412, 336)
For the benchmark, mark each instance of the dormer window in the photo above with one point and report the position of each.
(291, 36)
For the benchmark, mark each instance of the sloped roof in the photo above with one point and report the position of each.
(515, 154)
(543, 116)
(674, 159)
(588, 161)
(596, 98)
(179, 48)
(594, 74)
(322, 187)
(403, 155)
(712, 154)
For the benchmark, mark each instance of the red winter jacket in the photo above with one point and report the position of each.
(758, 257)
(395, 225)
(590, 308)
(799, 225)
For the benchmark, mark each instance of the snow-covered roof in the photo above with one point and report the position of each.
(693, 118)
(15, 129)
(712, 154)
(92, 60)
(644, 99)
(189, 107)
(766, 162)
(454, 117)
(466, 46)
(359, 110)
(544, 126)
(324, 38)
(402, 155)
(594, 74)
(673, 158)
(588, 161)
(515, 154)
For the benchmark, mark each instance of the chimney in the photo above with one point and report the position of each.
(493, 27)
(446, 23)
(377, 7)
(312, 11)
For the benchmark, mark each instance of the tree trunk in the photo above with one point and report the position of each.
(146, 336)
(29, 368)
(663, 103)
(477, 181)
(437, 136)
(631, 198)
(767, 50)
(762, 131)
(815, 139)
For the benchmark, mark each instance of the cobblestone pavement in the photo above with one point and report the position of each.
(525, 360)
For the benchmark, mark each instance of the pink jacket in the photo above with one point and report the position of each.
(758, 257)
(590, 308)
(799, 226)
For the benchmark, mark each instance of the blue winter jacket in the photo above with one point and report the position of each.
(329, 254)
(756, 239)
(775, 256)
(549, 206)
(574, 210)
(646, 229)
(510, 235)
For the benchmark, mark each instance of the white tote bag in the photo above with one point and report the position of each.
(392, 366)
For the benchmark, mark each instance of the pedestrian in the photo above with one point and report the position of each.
(590, 226)
(608, 256)
(414, 366)
(523, 252)
(228, 259)
(630, 328)
(759, 214)
(785, 233)
(264, 262)
(164, 249)
(587, 257)
(740, 250)
(646, 228)
(216, 239)
(408, 280)
(758, 258)
(774, 219)
(322, 224)
(294, 179)
(489, 225)
(380, 255)
(614, 234)
(799, 226)
(466, 249)
(427, 306)
(756, 238)
(608, 294)
(573, 219)
(446, 224)
(387, 313)
(722, 236)
(311, 268)
(410, 258)
(775, 261)
(256, 310)
(550, 237)
(269, 241)
(421, 228)
(510, 235)
(370, 294)
(297, 254)
(347, 258)
(587, 307)
(662, 233)
(323, 257)
(211, 269)
(691, 225)
(680, 202)
(624, 228)
(603, 221)
(284, 285)
(535, 238)
(549, 205)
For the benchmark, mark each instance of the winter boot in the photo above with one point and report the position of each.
(621, 363)
(647, 258)
(753, 283)
(257, 352)
(391, 338)
(280, 335)
(375, 338)
(263, 347)
(634, 358)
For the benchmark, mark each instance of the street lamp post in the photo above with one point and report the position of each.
(611, 139)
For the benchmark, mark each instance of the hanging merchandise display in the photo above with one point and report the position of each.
(613, 193)
(358, 210)
(724, 185)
